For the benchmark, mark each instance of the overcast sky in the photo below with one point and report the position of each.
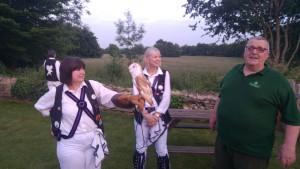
(162, 19)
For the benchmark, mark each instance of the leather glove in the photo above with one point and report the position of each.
(128, 99)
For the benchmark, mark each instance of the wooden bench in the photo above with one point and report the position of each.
(200, 121)
(191, 149)
(192, 126)
(179, 115)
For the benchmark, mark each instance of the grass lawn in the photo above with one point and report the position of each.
(26, 142)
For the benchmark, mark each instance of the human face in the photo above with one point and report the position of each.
(78, 75)
(253, 57)
(155, 59)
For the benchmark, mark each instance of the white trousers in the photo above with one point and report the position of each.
(142, 136)
(76, 152)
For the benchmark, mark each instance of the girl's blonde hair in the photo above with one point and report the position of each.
(148, 53)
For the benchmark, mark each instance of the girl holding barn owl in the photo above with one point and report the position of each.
(151, 123)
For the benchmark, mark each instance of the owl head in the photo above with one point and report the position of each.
(135, 69)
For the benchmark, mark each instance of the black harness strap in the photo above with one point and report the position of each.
(96, 108)
(56, 111)
(81, 104)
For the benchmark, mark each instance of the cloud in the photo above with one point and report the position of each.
(142, 10)
(162, 19)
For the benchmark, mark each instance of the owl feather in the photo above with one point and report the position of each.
(141, 82)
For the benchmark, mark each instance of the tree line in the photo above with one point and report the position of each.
(276, 20)
(28, 29)
(169, 49)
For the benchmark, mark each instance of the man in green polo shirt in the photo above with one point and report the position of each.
(246, 112)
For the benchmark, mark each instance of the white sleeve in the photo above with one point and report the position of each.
(103, 94)
(57, 65)
(46, 102)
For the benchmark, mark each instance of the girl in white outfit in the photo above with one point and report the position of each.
(151, 125)
(80, 144)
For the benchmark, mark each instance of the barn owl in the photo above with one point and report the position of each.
(141, 82)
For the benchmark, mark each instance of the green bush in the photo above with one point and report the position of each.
(28, 89)
(294, 73)
(177, 102)
(114, 69)
(115, 73)
(4, 70)
(31, 84)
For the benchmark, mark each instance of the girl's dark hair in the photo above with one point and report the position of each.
(67, 66)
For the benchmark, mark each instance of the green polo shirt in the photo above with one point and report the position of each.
(248, 108)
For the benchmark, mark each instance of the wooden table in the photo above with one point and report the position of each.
(178, 117)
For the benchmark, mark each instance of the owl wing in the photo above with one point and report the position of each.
(144, 88)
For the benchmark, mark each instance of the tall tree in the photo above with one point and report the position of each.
(86, 43)
(29, 28)
(277, 20)
(129, 34)
(168, 49)
(114, 50)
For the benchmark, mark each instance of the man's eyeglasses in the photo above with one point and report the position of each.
(258, 49)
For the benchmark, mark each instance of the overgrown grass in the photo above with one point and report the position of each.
(199, 74)
(26, 142)
(190, 73)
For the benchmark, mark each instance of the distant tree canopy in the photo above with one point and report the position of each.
(224, 50)
(168, 49)
(113, 50)
(277, 20)
(28, 29)
(86, 44)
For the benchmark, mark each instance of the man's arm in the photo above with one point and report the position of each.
(213, 118)
(287, 152)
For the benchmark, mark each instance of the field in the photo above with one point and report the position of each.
(173, 64)
(187, 72)
(25, 135)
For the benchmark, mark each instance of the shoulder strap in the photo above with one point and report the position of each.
(96, 109)
(56, 112)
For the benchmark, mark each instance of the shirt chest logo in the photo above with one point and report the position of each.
(254, 84)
